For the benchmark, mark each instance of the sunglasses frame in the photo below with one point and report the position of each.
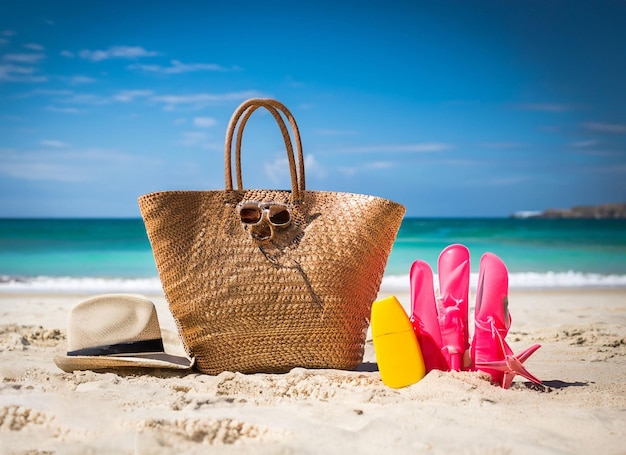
(264, 209)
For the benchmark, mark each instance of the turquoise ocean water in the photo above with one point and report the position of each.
(113, 255)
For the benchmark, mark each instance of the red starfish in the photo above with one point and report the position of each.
(510, 363)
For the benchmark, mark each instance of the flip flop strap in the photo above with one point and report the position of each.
(452, 330)
(453, 338)
(489, 325)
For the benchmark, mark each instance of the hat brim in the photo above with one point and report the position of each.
(170, 358)
(150, 360)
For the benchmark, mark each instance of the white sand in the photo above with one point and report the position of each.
(582, 410)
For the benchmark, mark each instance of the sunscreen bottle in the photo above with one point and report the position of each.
(398, 354)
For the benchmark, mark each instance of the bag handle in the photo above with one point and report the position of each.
(243, 113)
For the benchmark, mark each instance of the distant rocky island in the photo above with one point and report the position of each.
(602, 211)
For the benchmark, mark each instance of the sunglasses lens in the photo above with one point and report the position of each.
(280, 216)
(250, 215)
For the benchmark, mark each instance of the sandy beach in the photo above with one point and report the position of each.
(581, 409)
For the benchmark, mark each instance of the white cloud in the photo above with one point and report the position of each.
(73, 97)
(508, 180)
(36, 165)
(67, 54)
(620, 169)
(63, 165)
(177, 67)
(34, 170)
(5, 36)
(615, 128)
(501, 145)
(34, 47)
(199, 139)
(53, 143)
(380, 165)
(199, 100)
(63, 110)
(333, 132)
(78, 79)
(193, 137)
(21, 67)
(312, 167)
(68, 97)
(87, 98)
(44, 92)
(392, 148)
(130, 52)
(462, 162)
(547, 107)
(278, 170)
(126, 96)
(294, 83)
(13, 118)
(18, 73)
(601, 153)
(28, 59)
(204, 122)
(348, 171)
(585, 144)
(9, 71)
(496, 180)
(374, 165)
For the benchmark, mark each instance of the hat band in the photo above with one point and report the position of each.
(132, 347)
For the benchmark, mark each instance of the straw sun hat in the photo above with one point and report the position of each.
(119, 330)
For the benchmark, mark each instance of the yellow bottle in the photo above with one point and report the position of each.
(398, 354)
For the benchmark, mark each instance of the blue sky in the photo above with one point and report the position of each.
(452, 108)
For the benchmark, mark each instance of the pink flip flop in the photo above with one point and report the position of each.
(424, 316)
(441, 324)
(489, 351)
(454, 275)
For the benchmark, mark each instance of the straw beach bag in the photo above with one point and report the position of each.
(267, 280)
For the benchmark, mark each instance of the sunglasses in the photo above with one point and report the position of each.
(251, 213)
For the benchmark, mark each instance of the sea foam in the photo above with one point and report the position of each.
(528, 280)
(390, 283)
(80, 284)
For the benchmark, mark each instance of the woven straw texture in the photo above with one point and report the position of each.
(301, 299)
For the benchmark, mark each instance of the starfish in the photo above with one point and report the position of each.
(510, 363)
